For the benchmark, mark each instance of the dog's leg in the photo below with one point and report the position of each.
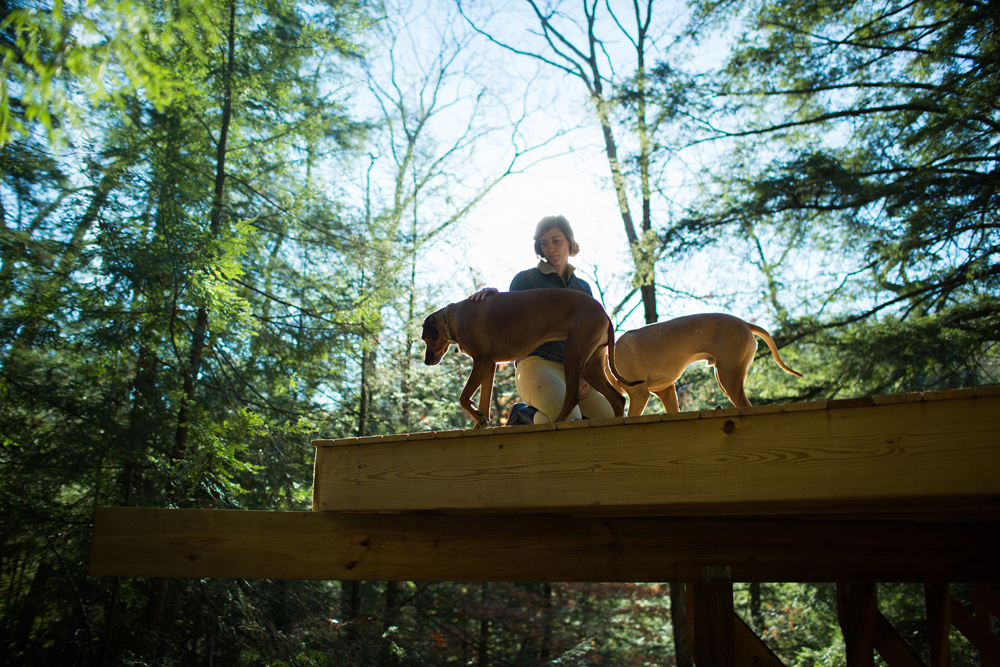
(485, 394)
(573, 369)
(732, 379)
(638, 397)
(668, 397)
(594, 373)
(480, 370)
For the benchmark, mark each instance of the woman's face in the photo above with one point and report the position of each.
(555, 247)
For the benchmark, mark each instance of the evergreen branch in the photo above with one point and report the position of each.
(849, 113)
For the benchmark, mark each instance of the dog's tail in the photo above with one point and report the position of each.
(774, 348)
(611, 358)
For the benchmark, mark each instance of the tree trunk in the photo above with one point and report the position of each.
(367, 369)
(643, 261)
(389, 620)
(484, 629)
(678, 619)
(201, 322)
(31, 606)
(545, 653)
(391, 603)
(756, 613)
(353, 610)
(196, 355)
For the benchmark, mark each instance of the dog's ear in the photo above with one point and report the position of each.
(430, 331)
(437, 342)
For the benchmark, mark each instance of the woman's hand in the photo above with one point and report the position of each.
(483, 293)
(584, 389)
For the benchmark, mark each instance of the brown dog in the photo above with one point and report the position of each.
(657, 354)
(507, 326)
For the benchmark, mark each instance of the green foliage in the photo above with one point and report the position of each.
(189, 295)
(862, 146)
(99, 50)
(159, 346)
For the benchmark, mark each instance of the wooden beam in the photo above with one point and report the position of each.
(937, 597)
(987, 643)
(891, 645)
(857, 613)
(924, 458)
(714, 625)
(987, 608)
(136, 542)
(751, 651)
(987, 602)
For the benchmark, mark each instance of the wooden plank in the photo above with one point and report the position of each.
(987, 602)
(857, 613)
(893, 648)
(890, 399)
(908, 457)
(859, 402)
(987, 643)
(987, 608)
(760, 409)
(751, 651)
(949, 394)
(714, 628)
(136, 542)
(937, 597)
(805, 406)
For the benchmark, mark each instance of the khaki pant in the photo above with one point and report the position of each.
(542, 384)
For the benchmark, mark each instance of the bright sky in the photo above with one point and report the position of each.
(494, 242)
(501, 229)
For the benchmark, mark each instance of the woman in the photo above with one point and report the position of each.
(540, 378)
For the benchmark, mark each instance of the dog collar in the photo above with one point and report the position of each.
(447, 328)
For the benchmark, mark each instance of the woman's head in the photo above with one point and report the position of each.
(559, 223)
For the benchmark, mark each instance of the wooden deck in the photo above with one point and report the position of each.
(890, 488)
(893, 488)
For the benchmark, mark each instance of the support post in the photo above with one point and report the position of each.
(937, 597)
(713, 624)
(857, 613)
(987, 607)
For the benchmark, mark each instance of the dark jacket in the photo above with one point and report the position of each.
(540, 277)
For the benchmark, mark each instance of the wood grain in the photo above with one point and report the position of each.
(909, 456)
(751, 651)
(135, 542)
(714, 623)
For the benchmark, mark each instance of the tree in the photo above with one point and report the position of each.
(162, 337)
(632, 108)
(435, 108)
(863, 152)
(61, 59)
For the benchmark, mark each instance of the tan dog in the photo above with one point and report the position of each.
(507, 326)
(657, 354)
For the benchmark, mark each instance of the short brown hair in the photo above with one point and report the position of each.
(546, 224)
